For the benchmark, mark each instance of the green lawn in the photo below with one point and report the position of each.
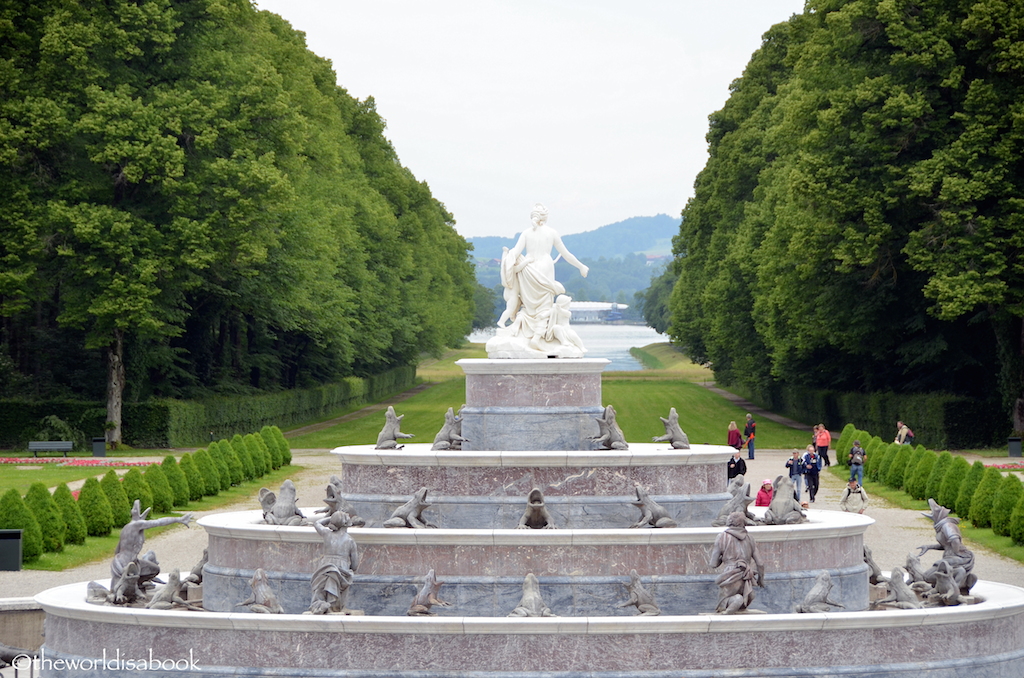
(50, 475)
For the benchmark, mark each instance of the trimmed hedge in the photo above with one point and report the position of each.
(178, 423)
(276, 456)
(177, 480)
(282, 444)
(949, 488)
(968, 488)
(896, 476)
(234, 463)
(1007, 496)
(15, 515)
(51, 521)
(939, 420)
(248, 465)
(259, 462)
(163, 495)
(196, 484)
(939, 469)
(1017, 522)
(917, 486)
(121, 510)
(73, 520)
(136, 488)
(95, 507)
(984, 497)
(208, 469)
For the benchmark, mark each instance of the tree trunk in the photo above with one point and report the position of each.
(115, 387)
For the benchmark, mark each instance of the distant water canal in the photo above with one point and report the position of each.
(605, 341)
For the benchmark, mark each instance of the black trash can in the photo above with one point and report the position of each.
(99, 447)
(10, 550)
(1014, 444)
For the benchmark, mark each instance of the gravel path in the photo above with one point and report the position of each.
(895, 532)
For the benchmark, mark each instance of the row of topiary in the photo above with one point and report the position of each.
(48, 522)
(983, 495)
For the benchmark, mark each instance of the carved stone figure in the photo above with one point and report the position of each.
(946, 590)
(336, 502)
(900, 596)
(97, 594)
(536, 516)
(673, 434)
(427, 597)
(262, 600)
(168, 596)
(450, 435)
(640, 597)
(784, 509)
(817, 599)
(652, 514)
(531, 604)
(958, 557)
(914, 571)
(735, 550)
(739, 488)
(126, 591)
(133, 535)
(537, 328)
(609, 435)
(149, 568)
(389, 436)
(410, 514)
(875, 576)
(281, 508)
(332, 580)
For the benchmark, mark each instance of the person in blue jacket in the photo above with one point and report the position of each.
(796, 471)
(812, 464)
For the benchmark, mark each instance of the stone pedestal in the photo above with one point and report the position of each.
(521, 404)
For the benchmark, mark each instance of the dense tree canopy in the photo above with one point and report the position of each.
(859, 222)
(191, 204)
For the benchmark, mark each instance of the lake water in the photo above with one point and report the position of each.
(604, 341)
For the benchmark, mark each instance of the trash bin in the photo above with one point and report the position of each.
(10, 550)
(1014, 444)
(99, 447)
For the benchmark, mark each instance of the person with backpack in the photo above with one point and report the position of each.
(904, 436)
(812, 467)
(854, 499)
(857, 457)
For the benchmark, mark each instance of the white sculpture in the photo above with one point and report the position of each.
(533, 325)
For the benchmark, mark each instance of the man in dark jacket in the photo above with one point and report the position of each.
(737, 467)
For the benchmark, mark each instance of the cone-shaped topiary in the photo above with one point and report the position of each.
(136, 487)
(895, 476)
(1017, 523)
(223, 470)
(268, 461)
(917, 486)
(73, 520)
(938, 473)
(967, 489)
(163, 495)
(1005, 501)
(121, 510)
(234, 463)
(14, 515)
(276, 458)
(984, 496)
(196, 485)
(176, 477)
(874, 449)
(282, 444)
(844, 444)
(249, 440)
(211, 476)
(248, 467)
(95, 507)
(949, 488)
(889, 453)
(51, 521)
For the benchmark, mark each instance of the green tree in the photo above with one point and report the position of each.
(1007, 497)
(917, 486)
(895, 477)
(889, 453)
(949, 488)
(276, 458)
(121, 510)
(163, 495)
(220, 461)
(208, 469)
(74, 522)
(49, 516)
(137, 489)
(234, 463)
(1017, 523)
(282, 444)
(984, 497)
(968, 488)
(259, 462)
(99, 517)
(196, 484)
(15, 515)
(937, 475)
(248, 463)
(178, 481)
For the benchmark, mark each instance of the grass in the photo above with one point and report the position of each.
(100, 548)
(50, 475)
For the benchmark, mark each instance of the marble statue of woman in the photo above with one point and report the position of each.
(528, 275)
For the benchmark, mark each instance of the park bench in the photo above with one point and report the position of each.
(37, 446)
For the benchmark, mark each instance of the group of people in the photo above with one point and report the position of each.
(740, 440)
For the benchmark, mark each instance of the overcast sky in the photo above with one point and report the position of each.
(596, 108)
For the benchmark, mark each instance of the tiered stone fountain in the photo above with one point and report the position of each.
(477, 496)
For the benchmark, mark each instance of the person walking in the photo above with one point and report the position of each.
(854, 499)
(737, 467)
(823, 440)
(857, 457)
(748, 434)
(812, 467)
(796, 472)
(734, 438)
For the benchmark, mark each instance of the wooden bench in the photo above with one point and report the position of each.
(37, 446)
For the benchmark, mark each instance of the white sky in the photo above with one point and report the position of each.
(596, 108)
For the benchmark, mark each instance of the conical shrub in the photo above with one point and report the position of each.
(248, 466)
(176, 477)
(1007, 496)
(268, 461)
(874, 449)
(937, 475)
(895, 476)
(1017, 523)
(196, 485)
(223, 470)
(234, 463)
(949, 488)
(918, 485)
(967, 489)
(211, 476)
(121, 510)
(276, 458)
(889, 454)
(282, 444)
(984, 496)
(163, 495)
(14, 515)
(249, 440)
(73, 520)
(136, 488)
(51, 521)
(844, 444)
(95, 507)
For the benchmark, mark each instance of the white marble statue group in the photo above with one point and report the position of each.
(535, 322)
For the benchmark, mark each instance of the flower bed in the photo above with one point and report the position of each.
(1015, 466)
(61, 461)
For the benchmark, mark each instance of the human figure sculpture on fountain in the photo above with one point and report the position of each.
(958, 558)
(538, 327)
(736, 550)
(133, 535)
(332, 580)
